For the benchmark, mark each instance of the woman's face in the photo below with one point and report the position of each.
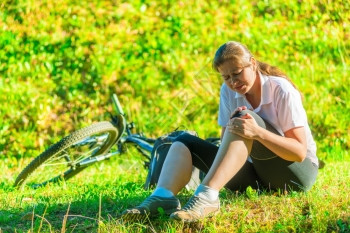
(238, 79)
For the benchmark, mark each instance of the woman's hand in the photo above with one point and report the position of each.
(244, 126)
(239, 109)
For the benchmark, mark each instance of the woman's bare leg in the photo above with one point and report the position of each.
(177, 168)
(232, 155)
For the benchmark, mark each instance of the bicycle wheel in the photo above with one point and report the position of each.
(61, 160)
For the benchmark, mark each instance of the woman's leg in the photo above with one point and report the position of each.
(177, 168)
(175, 174)
(277, 173)
(203, 155)
(229, 160)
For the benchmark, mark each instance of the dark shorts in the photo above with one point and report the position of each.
(265, 171)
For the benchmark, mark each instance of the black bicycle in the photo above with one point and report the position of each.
(90, 145)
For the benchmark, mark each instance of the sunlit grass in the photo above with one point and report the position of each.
(95, 199)
(60, 62)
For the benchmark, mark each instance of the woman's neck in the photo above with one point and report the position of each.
(254, 94)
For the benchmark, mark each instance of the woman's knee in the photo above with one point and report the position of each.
(184, 139)
(179, 149)
(256, 117)
(178, 145)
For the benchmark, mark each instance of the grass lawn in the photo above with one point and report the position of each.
(93, 201)
(60, 61)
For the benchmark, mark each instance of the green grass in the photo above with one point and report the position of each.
(94, 200)
(60, 61)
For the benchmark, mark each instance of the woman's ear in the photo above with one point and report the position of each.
(254, 63)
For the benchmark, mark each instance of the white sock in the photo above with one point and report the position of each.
(207, 192)
(162, 192)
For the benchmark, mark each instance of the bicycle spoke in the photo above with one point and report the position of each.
(56, 158)
(55, 164)
(79, 159)
(66, 154)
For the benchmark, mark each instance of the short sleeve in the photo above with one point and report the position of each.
(224, 108)
(290, 110)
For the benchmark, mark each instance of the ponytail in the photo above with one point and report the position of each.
(269, 70)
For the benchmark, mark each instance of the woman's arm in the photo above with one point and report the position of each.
(291, 147)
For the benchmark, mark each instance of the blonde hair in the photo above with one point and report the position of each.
(240, 55)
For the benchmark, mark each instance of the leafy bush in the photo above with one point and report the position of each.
(60, 61)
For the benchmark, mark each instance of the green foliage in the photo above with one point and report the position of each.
(60, 61)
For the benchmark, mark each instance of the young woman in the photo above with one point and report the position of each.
(266, 141)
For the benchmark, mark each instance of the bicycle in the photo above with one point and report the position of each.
(82, 148)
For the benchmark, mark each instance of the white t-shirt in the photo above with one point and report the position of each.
(280, 105)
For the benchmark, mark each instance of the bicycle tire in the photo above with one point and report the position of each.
(62, 146)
